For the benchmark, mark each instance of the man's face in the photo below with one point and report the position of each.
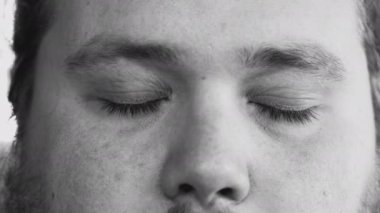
(209, 106)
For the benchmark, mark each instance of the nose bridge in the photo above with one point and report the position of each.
(208, 160)
(214, 106)
(217, 118)
(213, 126)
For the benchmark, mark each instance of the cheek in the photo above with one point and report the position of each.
(97, 163)
(345, 151)
(350, 135)
(329, 170)
(349, 150)
(329, 173)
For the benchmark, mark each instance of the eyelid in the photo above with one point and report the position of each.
(285, 103)
(127, 94)
(288, 116)
(131, 110)
(135, 97)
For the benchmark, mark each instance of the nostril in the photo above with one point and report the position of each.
(227, 192)
(185, 188)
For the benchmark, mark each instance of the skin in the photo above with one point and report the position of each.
(209, 147)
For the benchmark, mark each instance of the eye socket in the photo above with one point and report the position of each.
(287, 115)
(132, 110)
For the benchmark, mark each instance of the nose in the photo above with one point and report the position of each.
(209, 161)
(207, 182)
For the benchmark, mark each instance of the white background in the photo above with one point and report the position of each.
(7, 124)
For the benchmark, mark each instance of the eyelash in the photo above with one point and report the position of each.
(291, 116)
(276, 114)
(132, 110)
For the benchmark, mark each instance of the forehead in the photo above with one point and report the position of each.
(210, 27)
(220, 21)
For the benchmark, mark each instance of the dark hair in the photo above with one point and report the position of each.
(371, 40)
(33, 18)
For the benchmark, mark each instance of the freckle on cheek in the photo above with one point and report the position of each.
(118, 176)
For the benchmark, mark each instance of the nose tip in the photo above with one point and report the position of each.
(209, 187)
(208, 195)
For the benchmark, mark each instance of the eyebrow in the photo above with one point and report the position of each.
(308, 58)
(104, 48)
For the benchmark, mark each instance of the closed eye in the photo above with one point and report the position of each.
(132, 110)
(288, 115)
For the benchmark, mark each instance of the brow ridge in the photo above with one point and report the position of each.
(309, 58)
(104, 48)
